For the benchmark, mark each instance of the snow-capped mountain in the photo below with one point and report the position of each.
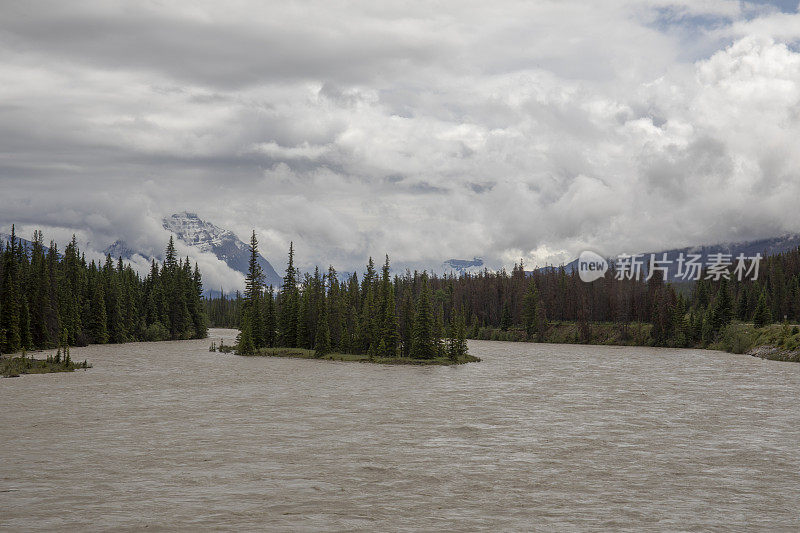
(463, 266)
(120, 249)
(205, 237)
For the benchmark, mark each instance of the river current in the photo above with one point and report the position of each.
(168, 436)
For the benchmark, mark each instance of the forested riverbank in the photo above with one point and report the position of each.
(719, 311)
(50, 299)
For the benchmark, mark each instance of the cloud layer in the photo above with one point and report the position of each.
(503, 130)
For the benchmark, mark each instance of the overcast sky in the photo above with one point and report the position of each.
(429, 130)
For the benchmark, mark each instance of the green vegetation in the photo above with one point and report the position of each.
(50, 299)
(11, 367)
(419, 316)
(565, 332)
(302, 353)
(15, 366)
(329, 318)
(778, 342)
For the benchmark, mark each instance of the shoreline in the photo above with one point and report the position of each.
(14, 366)
(302, 353)
(774, 342)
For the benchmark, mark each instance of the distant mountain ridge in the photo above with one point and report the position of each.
(28, 245)
(463, 266)
(765, 247)
(206, 237)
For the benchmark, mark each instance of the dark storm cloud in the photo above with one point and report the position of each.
(211, 52)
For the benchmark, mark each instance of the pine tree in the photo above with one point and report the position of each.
(303, 328)
(197, 308)
(423, 343)
(406, 322)
(52, 300)
(682, 331)
(322, 340)
(244, 341)
(10, 297)
(170, 257)
(438, 333)
(98, 322)
(722, 310)
(116, 321)
(270, 322)
(368, 334)
(457, 336)
(335, 311)
(254, 287)
(389, 337)
(742, 306)
(287, 305)
(530, 305)
(505, 319)
(762, 315)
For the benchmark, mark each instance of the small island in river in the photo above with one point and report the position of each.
(320, 317)
(301, 353)
(12, 367)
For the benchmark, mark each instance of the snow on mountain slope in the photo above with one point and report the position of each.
(206, 237)
(464, 266)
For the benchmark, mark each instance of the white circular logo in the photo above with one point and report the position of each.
(591, 266)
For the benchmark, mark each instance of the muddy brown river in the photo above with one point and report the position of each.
(168, 436)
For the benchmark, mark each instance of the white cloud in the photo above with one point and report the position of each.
(503, 130)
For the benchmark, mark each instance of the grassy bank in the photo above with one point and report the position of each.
(11, 367)
(778, 342)
(606, 333)
(301, 353)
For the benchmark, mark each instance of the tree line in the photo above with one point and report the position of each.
(50, 299)
(383, 314)
(380, 315)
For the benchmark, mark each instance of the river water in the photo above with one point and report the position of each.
(552, 437)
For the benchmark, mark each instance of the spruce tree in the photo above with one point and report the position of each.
(457, 336)
(287, 305)
(335, 311)
(254, 287)
(505, 318)
(423, 343)
(270, 320)
(389, 337)
(98, 327)
(742, 305)
(244, 341)
(303, 328)
(530, 304)
(762, 315)
(368, 334)
(438, 333)
(322, 340)
(11, 296)
(171, 256)
(406, 322)
(197, 308)
(722, 310)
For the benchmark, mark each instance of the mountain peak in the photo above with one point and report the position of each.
(190, 229)
(464, 265)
